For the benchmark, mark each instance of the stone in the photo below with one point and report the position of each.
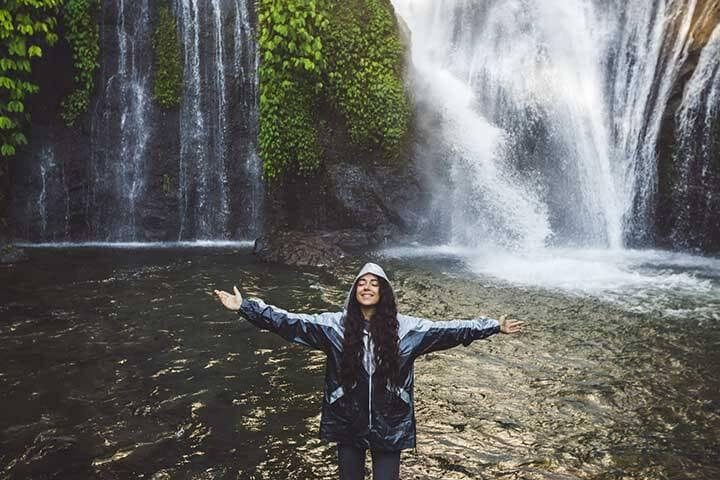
(298, 249)
(10, 254)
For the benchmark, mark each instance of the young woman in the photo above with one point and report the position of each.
(370, 348)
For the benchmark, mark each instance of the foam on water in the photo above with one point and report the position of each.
(672, 283)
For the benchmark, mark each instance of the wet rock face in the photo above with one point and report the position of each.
(688, 197)
(355, 188)
(382, 201)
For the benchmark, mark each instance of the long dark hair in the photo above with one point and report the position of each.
(384, 332)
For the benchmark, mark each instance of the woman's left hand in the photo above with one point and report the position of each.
(510, 325)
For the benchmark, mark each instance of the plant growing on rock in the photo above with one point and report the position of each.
(83, 34)
(168, 61)
(347, 54)
(291, 65)
(25, 26)
(365, 68)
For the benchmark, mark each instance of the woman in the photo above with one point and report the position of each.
(370, 348)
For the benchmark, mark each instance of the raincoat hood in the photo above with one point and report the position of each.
(369, 267)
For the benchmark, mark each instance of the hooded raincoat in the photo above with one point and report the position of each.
(372, 414)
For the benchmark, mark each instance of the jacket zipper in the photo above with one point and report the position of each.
(368, 355)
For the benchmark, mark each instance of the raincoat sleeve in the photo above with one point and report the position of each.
(309, 330)
(427, 336)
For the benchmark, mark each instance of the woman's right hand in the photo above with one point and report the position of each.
(230, 301)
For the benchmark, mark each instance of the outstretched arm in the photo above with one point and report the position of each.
(427, 336)
(309, 330)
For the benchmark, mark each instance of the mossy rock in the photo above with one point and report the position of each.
(350, 57)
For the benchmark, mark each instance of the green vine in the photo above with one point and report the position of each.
(24, 26)
(365, 67)
(83, 35)
(289, 76)
(168, 61)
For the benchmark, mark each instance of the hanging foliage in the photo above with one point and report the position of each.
(347, 54)
(83, 34)
(26, 26)
(291, 65)
(364, 78)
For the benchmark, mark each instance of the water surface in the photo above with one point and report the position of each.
(118, 363)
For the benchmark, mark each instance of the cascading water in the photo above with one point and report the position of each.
(122, 130)
(519, 91)
(548, 115)
(42, 198)
(550, 112)
(653, 44)
(245, 68)
(138, 172)
(53, 191)
(206, 113)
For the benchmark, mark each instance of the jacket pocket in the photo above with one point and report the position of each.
(341, 406)
(397, 404)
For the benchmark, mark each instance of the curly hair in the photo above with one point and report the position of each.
(383, 331)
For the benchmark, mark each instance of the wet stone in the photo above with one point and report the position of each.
(10, 254)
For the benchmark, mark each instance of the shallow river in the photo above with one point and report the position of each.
(118, 363)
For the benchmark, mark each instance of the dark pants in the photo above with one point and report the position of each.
(385, 465)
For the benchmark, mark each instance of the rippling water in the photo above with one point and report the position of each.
(118, 363)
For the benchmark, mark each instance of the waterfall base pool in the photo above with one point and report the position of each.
(118, 363)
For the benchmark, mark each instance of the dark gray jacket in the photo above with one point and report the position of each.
(371, 415)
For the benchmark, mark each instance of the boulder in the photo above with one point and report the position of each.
(297, 248)
(291, 247)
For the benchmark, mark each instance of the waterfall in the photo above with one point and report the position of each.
(696, 155)
(140, 172)
(192, 132)
(548, 113)
(218, 78)
(246, 68)
(42, 211)
(121, 129)
(653, 39)
(53, 191)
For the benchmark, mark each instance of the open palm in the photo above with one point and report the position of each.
(230, 301)
(510, 325)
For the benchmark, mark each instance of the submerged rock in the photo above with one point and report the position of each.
(12, 254)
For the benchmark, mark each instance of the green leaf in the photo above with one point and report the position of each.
(34, 51)
(15, 106)
(6, 123)
(19, 139)
(7, 150)
(7, 64)
(7, 83)
(17, 47)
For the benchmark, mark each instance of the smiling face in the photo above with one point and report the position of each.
(368, 290)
